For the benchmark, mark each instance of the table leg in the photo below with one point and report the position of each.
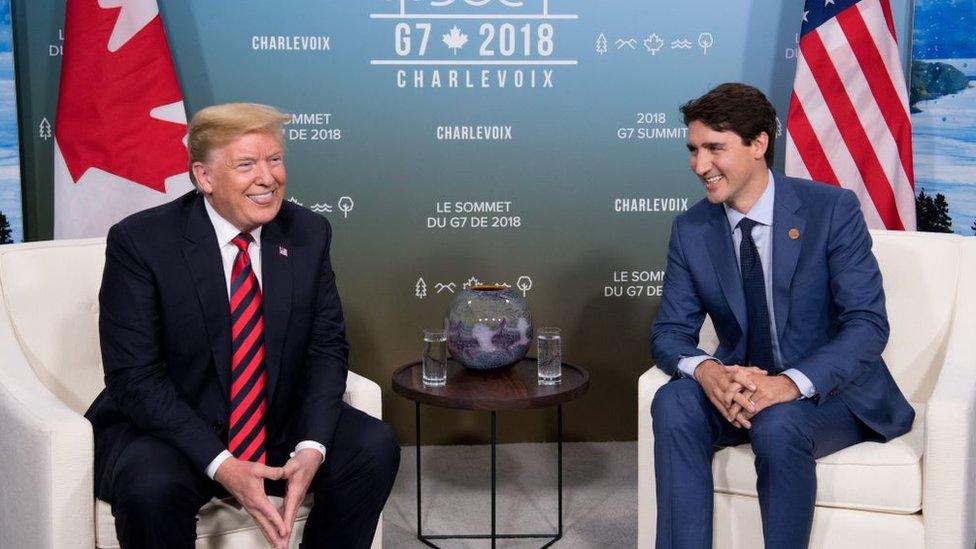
(559, 468)
(559, 474)
(417, 428)
(494, 536)
(494, 433)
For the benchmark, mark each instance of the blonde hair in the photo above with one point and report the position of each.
(215, 126)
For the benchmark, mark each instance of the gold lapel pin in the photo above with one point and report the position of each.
(794, 233)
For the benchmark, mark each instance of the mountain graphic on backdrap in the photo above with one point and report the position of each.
(121, 124)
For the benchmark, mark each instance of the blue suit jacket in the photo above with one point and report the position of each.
(827, 295)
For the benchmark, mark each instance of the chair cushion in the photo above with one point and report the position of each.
(218, 517)
(870, 476)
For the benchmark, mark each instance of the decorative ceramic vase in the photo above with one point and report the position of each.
(488, 327)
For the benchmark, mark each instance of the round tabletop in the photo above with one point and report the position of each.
(514, 387)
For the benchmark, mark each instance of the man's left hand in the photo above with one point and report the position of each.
(298, 472)
(770, 390)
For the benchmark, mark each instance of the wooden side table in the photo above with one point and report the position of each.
(512, 388)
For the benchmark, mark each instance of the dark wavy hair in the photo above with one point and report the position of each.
(738, 108)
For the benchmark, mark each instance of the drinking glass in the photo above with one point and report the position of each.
(435, 358)
(550, 356)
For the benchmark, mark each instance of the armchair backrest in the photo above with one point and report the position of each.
(921, 273)
(49, 291)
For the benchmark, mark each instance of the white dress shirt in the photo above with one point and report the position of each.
(226, 232)
(762, 213)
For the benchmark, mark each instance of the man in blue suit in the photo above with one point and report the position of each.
(783, 267)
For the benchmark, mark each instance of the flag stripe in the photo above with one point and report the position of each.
(872, 119)
(882, 88)
(849, 122)
(822, 122)
(807, 144)
(851, 130)
(889, 20)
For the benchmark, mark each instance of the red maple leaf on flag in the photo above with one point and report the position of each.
(103, 119)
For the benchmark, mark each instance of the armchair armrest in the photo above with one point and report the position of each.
(363, 394)
(46, 459)
(647, 385)
(949, 497)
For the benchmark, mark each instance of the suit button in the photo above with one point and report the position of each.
(218, 426)
(833, 393)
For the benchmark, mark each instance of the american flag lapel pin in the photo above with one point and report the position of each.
(283, 251)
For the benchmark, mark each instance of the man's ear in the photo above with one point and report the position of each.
(203, 174)
(759, 145)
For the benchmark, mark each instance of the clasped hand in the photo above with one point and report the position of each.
(245, 481)
(741, 392)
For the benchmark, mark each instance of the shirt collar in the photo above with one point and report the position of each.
(762, 210)
(226, 231)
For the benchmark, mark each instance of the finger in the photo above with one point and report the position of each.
(734, 410)
(717, 403)
(732, 390)
(745, 402)
(269, 511)
(292, 504)
(272, 473)
(743, 421)
(744, 379)
(266, 527)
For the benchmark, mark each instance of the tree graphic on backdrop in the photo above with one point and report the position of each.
(932, 213)
(6, 236)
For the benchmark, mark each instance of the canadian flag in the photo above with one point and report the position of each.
(120, 129)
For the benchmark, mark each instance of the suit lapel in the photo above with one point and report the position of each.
(276, 288)
(718, 240)
(786, 250)
(202, 255)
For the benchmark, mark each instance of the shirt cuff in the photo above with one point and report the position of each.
(802, 382)
(217, 462)
(309, 444)
(688, 364)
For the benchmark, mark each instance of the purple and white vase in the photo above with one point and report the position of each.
(488, 327)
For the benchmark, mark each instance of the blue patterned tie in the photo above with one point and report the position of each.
(759, 351)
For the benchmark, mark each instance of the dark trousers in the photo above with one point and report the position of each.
(155, 493)
(786, 439)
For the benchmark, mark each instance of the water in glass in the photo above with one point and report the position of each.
(550, 356)
(435, 358)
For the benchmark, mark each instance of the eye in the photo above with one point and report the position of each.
(244, 166)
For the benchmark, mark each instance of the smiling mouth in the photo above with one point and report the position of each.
(262, 199)
(711, 181)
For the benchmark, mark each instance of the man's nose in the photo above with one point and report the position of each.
(264, 174)
(701, 164)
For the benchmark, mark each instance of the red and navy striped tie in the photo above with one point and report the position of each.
(247, 398)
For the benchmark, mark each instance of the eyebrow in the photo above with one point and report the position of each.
(708, 145)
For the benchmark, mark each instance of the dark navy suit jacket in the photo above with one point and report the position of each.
(827, 294)
(165, 333)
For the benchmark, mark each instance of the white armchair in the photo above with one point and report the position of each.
(918, 490)
(50, 371)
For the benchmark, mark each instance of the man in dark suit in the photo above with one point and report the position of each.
(224, 351)
(784, 269)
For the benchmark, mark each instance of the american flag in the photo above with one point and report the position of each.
(848, 122)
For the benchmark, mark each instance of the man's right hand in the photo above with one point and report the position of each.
(245, 481)
(720, 381)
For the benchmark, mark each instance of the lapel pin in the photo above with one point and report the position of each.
(794, 233)
(284, 251)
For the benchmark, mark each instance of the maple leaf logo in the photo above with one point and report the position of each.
(455, 39)
(122, 121)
